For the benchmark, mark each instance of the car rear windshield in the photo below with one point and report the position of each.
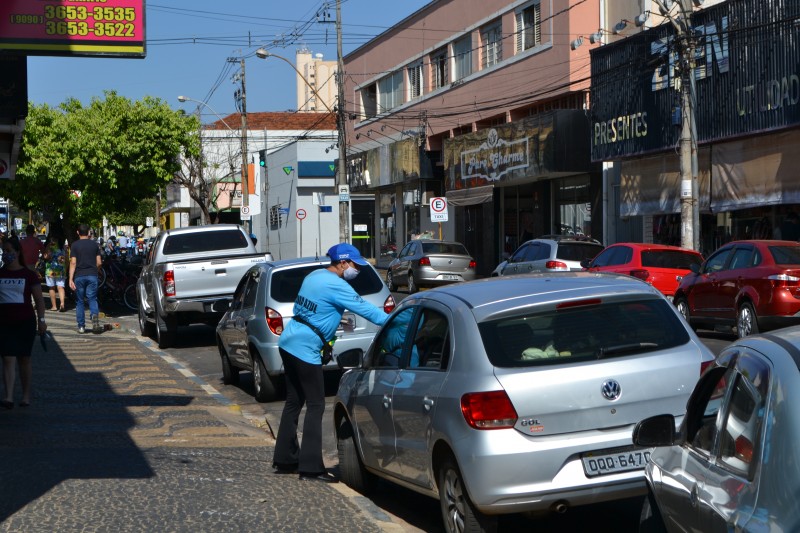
(444, 248)
(204, 241)
(584, 332)
(785, 255)
(670, 259)
(285, 284)
(577, 251)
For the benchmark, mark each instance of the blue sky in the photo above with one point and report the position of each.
(189, 41)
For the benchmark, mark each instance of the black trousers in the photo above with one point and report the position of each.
(305, 385)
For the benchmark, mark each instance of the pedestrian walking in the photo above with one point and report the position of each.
(18, 324)
(83, 266)
(55, 273)
(31, 247)
(318, 310)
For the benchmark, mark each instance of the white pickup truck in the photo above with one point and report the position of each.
(190, 276)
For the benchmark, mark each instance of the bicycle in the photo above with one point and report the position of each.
(119, 283)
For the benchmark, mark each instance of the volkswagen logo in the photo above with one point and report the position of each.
(611, 390)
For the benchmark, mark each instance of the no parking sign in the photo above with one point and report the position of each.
(439, 209)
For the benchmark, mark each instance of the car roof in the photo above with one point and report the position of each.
(557, 239)
(764, 242)
(207, 227)
(652, 246)
(298, 261)
(499, 295)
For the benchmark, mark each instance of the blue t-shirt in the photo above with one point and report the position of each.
(322, 299)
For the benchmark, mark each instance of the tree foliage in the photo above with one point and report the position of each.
(81, 162)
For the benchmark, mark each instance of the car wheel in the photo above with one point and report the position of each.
(351, 469)
(458, 512)
(650, 521)
(230, 374)
(412, 285)
(165, 331)
(265, 390)
(746, 320)
(145, 327)
(683, 308)
(390, 281)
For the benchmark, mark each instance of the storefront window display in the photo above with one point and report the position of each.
(573, 207)
(388, 239)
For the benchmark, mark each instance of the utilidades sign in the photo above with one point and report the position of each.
(73, 27)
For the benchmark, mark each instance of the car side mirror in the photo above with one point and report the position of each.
(350, 359)
(655, 431)
(585, 263)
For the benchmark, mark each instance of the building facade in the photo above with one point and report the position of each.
(493, 117)
(316, 82)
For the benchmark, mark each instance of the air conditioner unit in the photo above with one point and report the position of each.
(426, 197)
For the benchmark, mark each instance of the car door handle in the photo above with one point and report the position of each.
(387, 402)
(693, 496)
(427, 403)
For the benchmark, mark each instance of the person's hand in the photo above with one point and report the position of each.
(42, 327)
(72, 285)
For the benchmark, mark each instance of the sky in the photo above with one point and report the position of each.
(189, 42)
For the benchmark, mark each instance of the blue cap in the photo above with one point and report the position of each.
(348, 252)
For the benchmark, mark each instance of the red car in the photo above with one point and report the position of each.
(750, 285)
(659, 265)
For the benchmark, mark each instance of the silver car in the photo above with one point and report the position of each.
(426, 262)
(734, 465)
(248, 333)
(554, 254)
(515, 394)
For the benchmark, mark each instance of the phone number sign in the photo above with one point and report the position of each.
(73, 27)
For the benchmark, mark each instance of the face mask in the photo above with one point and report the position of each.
(8, 257)
(351, 273)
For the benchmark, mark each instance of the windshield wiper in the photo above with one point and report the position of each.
(605, 351)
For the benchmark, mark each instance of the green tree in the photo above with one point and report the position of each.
(137, 217)
(77, 162)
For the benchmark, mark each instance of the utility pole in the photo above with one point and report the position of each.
(245, 185)
(344, 217)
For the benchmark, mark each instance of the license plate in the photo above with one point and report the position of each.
(451, 277)
(611, 463)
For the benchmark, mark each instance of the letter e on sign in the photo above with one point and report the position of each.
(439, 209)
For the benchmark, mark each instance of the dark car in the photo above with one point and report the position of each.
(734, 463)
(750, 285)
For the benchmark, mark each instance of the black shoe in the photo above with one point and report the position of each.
(284, 469)
(325, 477)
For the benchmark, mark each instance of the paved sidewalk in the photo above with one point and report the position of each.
(117, 439)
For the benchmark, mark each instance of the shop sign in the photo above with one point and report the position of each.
(494, 158)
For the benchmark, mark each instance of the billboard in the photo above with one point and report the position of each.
(73, 27)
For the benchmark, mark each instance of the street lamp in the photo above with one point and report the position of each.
(263, 53)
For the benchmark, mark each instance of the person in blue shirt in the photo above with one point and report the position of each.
(320, 303)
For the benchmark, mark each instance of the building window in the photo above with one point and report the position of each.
(439, 69)
(369, 101)
(529, 27)
(462, 57)
(390, 91)
(415, 80)
(492, 45)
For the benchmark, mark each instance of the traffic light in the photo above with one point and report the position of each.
(262, 158)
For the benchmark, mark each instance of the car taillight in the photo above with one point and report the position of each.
(556, 265)
(168, 282)
(473, 265)
(388, 305)
(274, 320)
(640, 273)
(783, 280)
(704, 365)
(488, 410)
(424, 261)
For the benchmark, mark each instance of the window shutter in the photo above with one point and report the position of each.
(520, 30)
(537, 25)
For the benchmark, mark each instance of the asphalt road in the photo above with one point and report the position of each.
(196, 349)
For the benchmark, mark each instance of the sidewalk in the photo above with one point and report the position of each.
(117, 439)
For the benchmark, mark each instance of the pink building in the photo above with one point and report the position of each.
(482, 102)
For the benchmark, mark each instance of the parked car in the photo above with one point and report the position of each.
(515, 394)
(750, 285)
(660, 265)
(551, 254)
(427, 262)
(263, 303)
(734, 465)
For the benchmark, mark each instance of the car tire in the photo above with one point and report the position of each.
(746, 320)
(230, 374)
(682, 304)
(412, 285)
(265, 389)
(351, 468)
(458, 512)
(146, 328)
(390, 281)
(651, 521)
(166, 328)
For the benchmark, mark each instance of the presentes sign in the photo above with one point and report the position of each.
(73, 27)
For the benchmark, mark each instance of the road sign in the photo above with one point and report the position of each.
(300, 214)
(439, 209)
(245, 210)
(344, 193)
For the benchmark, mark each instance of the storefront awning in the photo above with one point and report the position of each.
(471, 196)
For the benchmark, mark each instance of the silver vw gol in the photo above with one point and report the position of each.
(515, 394)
